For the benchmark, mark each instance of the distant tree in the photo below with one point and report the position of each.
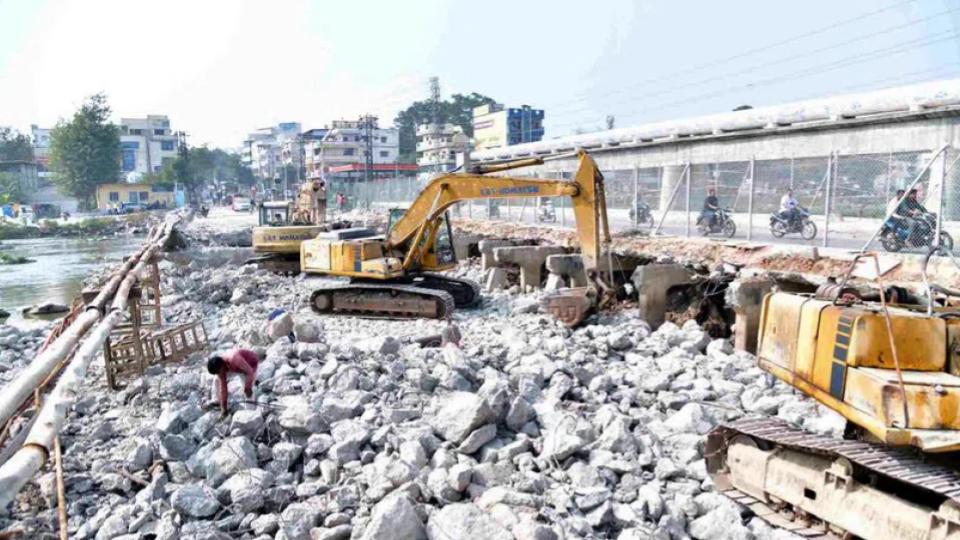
(198, 168)
(10, 190)
(458, 110)
(743, 108)
(15, 146)
(85, 152)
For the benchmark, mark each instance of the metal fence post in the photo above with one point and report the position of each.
(886, 192)
(828, 199)
(943, 185)
(689, 174)
(753, 184)
(791, 172)
(636, 192)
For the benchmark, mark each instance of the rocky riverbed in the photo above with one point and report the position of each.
(529, 431)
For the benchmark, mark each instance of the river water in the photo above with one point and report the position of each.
(60, 266)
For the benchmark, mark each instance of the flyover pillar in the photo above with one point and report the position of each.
(671, 175)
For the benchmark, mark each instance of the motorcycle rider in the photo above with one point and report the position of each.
(788, 208)
(710, 206)
(913, 210)
(895, 209)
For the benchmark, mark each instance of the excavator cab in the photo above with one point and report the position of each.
(441, 254)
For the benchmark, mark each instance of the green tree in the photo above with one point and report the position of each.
(458, 110)
(10, 188)
(85, 152)
(14, 146)
(198, 168)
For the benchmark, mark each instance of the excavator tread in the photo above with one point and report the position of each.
(473, 285)
(388, 295)
(891, 466)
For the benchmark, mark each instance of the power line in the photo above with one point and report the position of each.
(862, 37)
(812, 70)
(750, 52)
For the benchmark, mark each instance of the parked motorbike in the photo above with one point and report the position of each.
(722, 224)
(893, 235)
(204, 210)
(780, 226)
(641, 214)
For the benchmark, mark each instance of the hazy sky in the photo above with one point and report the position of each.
(220, 69)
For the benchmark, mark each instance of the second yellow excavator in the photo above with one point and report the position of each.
(890, 364)
(283, 225)
(395, 275)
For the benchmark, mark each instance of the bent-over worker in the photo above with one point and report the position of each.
(243, 361)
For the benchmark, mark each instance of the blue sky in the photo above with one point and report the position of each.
(220, 68)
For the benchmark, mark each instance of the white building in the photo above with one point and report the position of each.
(437, 146)
(145, 144)
(268, 150)
(41, 151)
(344, 144)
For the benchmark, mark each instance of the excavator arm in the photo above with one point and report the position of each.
(425, 214)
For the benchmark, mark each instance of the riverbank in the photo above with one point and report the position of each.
(532, 430)
(92, 226)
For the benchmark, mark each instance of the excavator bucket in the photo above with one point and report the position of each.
(570, 306)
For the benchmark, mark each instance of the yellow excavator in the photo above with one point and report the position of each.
(890, 365)
(394, 276)
(284, 225)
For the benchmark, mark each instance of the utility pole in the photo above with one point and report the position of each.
(436, 129)
(368, 122)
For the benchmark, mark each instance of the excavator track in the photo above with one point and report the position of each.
(465, 292)
(822, 487)
(382, 301)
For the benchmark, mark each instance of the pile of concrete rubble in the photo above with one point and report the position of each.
(529, 431)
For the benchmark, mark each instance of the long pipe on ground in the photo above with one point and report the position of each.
(38, 446)
(21, 388)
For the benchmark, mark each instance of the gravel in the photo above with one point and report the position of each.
(530, 431)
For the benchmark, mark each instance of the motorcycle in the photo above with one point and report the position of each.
(204, 210)
(641, 214)
(722, 223)
(780, 226)
(546, 213)
(893, 234)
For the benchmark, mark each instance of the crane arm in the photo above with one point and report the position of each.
(585, 191)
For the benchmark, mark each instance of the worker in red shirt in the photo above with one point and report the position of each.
(243, 361)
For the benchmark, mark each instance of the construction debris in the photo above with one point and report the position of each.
(531, 430)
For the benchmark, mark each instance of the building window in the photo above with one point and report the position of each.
(132, 196)
(129, 160)
(158, 131)
(348, 151)
(114, 196)
(383, 139)
(166, 146)
(384, 153)
(144, 196)
(136, 131)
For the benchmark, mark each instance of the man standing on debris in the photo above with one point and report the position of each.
(242, 361)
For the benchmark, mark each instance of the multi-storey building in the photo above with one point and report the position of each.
(268, 150)
(145, 144)
(437, 147)
(495, 125)
(343, 145)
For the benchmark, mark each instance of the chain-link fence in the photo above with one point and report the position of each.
(836, 200)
